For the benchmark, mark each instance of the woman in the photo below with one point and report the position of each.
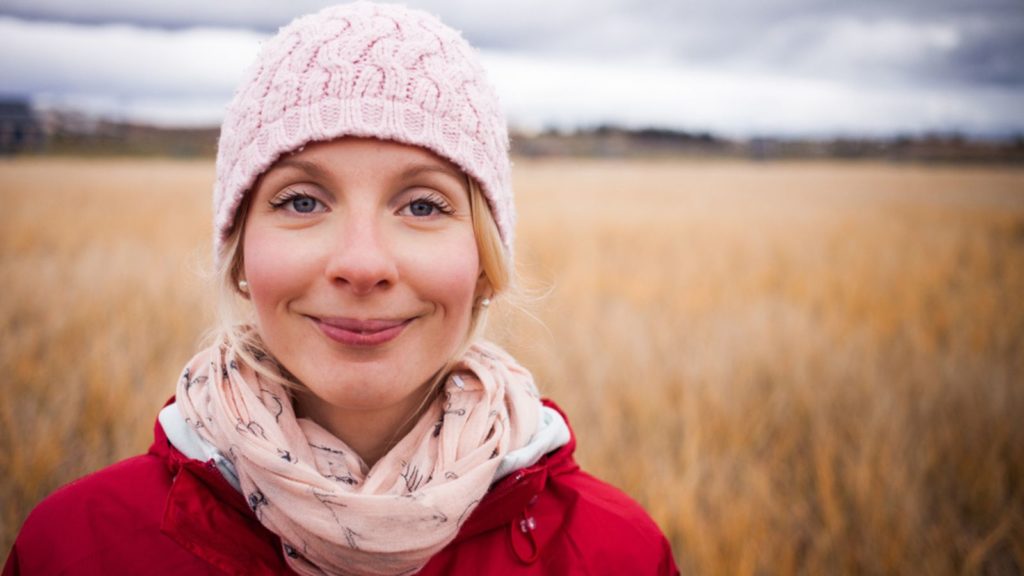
(347, 419)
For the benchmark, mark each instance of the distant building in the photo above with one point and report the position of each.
(20, 129)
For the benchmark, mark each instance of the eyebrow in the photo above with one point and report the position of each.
(415, 169)
(311, 168)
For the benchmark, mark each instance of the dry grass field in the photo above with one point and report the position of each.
(798, 368)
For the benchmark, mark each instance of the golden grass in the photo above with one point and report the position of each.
(796, 367)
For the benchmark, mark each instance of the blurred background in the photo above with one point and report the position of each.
(772, 255)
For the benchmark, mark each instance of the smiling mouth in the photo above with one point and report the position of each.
(361, 333)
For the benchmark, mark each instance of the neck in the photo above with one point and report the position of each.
(369, 433)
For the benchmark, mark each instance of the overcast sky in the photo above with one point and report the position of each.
(734, 67)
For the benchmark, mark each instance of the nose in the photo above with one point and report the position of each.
(360, 257)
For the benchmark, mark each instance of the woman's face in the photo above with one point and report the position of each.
(362, 267)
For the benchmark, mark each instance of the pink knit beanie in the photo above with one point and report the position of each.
(369, 70)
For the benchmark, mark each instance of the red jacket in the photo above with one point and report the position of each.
(163, 513)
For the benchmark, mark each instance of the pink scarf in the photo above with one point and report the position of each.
(308, 487)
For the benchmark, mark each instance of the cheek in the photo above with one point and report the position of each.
(449, 273)
(274, 266)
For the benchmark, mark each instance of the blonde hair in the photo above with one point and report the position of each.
(235, 328)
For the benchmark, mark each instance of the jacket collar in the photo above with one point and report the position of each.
(207, 516)
(510, 496)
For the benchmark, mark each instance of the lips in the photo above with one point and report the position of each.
(361, 333)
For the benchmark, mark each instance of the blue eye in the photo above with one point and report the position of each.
(295, 201)
(431, 204)
(422, 208)
(303, 204)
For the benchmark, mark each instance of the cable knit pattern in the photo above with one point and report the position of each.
(369, 70)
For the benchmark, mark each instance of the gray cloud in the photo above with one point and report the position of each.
(875, 40)
(958, 58)
(263, 15)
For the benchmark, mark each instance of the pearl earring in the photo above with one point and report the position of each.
(243, 286)
(485, 302)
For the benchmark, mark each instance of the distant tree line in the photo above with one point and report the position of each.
(24, 130)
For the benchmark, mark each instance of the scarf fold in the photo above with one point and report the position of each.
(305, 485)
